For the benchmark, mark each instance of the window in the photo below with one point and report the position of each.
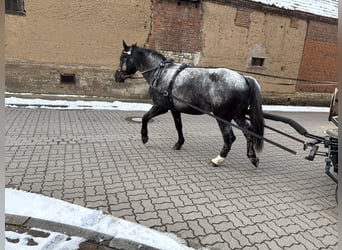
(68, 78)
(15, 7)
(196, 2)
(257, 61)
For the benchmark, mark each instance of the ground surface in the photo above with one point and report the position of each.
(96, 159)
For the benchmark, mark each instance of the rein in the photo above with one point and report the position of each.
(236, 126)
(168, 93)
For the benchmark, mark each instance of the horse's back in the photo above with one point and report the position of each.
(211, 88)
(212, 78)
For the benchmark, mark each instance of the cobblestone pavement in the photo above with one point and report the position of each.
(96, 159)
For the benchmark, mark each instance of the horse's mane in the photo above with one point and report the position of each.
(152, 52)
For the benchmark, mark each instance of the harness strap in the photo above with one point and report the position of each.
(169, 91)
(249, 92)
(160, 70)
(158, 73)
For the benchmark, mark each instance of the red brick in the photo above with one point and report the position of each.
(319, 61)
(176, 27)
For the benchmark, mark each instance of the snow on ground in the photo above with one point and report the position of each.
(63, 104)
(127, 106)
(20, 203)
(53, 241)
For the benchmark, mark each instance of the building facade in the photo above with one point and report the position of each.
(74, 46)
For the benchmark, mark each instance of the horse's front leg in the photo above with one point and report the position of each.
(178, 123)
(228, 138)
(154, 111)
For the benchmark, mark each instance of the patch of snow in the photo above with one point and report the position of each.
(284, 108)
(20, 203)
(126, 106)
(53, 241)
(63, 104)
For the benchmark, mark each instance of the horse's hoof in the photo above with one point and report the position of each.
(177, 146)
(255, 161)
(217, 161)
(144, 139)
(213, 164)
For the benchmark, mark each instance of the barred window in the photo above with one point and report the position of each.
(15, 7)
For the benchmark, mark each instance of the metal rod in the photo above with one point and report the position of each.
(231, 124)
(283, 133)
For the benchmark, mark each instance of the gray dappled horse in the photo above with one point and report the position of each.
(225, 93)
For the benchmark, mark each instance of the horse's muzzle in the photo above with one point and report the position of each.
(119, 76)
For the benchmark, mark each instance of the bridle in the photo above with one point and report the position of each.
(123, 67)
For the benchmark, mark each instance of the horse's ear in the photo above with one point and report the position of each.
(135, 44)
(124, 45)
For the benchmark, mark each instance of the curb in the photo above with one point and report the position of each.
(94, 236)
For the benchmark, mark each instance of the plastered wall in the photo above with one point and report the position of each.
(275, 38)
(76, 32)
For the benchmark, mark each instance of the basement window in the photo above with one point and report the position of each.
(15, 7)
(68, 78)
(257, 61)
(196, 2)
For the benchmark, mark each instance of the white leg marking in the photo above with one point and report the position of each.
(218, 160)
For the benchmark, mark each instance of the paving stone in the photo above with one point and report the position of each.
(164, 206)
(286, 241)
(177, 201)
(292, 229)
(258, 237)
(262, 246)
(208, 228)
(165, 217)
(197, 228)
(235, 238)
(192, 216)
(175, 215)
(329, 240)
(259, 218)
(276, 228)
(176, 227)
(228, 209)
(299, 238)
(296, 246)
(250, 230)
(186, 234)
(211, 239)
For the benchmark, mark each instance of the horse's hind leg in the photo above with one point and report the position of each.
(154, 111)
(228, 138)
(178, 123)
(249, 138)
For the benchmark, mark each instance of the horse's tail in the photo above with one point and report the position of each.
(256, 115)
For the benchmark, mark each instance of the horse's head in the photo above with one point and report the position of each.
(127, 66)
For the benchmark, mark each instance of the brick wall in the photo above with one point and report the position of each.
(243, 17)
(319, 60)
(176, 26)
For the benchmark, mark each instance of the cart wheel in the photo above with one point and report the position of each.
(336, 194)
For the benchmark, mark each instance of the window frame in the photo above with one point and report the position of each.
(15, 7)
